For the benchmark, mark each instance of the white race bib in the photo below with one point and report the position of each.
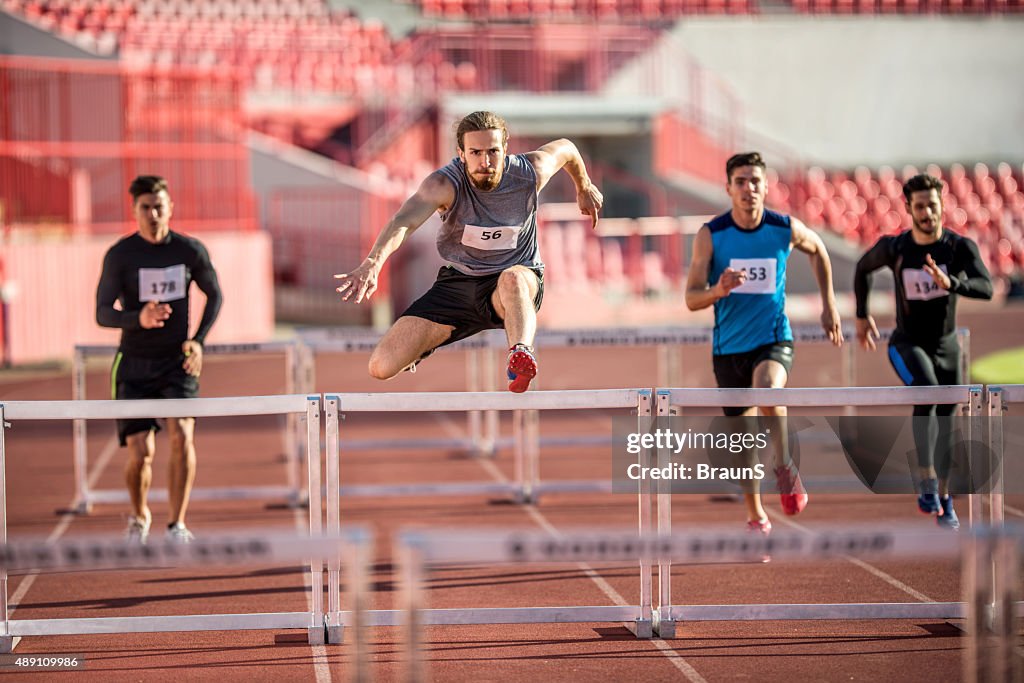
(162, 284)
(919, 285)
(491, 239)
(760, 275)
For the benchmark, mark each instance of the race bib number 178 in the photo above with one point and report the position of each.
(162, 284)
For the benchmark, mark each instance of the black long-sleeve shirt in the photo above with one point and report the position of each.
(924, 311)
(136, 271)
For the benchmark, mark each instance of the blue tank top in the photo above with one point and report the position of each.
(486, 232)
(755, 314)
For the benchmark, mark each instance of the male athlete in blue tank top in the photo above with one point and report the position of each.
(739, 267)
(495, 278)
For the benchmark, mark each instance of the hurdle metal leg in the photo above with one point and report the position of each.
(7, 641)
(644, 625)
(664, 624)
(317, 629)
(333, 622)
(82, 504)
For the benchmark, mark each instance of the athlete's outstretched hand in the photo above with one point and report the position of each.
(832, 325)
(590, 202)
(940, 278)
(729, 280)
(361, 282)
(153, 315)
(193, 351)
(867, 333)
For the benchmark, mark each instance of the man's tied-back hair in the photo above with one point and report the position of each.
(480, 120)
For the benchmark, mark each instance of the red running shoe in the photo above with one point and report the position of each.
(522, 368)
(792, 494)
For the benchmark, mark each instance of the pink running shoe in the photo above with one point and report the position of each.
(763, 527)
(792, 494)
(522, 368)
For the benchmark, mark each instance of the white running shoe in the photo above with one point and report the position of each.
(179, 533)
(138, 530)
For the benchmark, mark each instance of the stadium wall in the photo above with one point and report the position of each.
(49, 294)
(844, 91)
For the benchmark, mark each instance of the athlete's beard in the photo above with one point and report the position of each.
(485, 183)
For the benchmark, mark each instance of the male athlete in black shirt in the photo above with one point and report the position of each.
(932, 267)
(149, 274)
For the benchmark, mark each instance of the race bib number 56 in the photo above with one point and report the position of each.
(162, 284)
(491, 239)
(760, 275)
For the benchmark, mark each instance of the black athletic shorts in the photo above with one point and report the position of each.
(736, 370)
(920, 366)
(136, 378)
(464, 301)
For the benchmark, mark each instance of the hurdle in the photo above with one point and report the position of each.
(420, 548)
(293, 436)
(483, 370)
(669, 401)
(638, 400)
(308, 406)
(361, 340)
(998, 398)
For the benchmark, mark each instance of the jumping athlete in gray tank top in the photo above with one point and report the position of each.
(495, 278)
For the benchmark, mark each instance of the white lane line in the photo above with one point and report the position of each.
(321, 667)
(1013, 511)
(488, 465)
(65, 519)
(871, 569)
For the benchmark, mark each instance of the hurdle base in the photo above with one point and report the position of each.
(641, 628)
(335, 634)
(316, 635)
(8, 643)
(665, 628)
(82, 507)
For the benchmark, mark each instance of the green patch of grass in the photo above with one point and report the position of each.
(1001, 367)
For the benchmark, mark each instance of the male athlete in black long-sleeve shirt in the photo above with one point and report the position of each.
(149, 273)
(932, 267)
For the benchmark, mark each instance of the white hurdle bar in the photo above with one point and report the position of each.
(308, 406)
(293, 436)
(638, 400)
(494, 546)
(482, 375)
(669, 400)
(479, 365)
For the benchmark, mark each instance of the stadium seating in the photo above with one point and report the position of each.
(982, 202)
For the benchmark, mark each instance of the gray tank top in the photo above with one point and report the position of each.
(483, 233)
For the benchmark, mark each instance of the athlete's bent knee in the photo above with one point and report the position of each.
(380, 369)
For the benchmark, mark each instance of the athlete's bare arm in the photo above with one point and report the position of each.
(698, 294)
(562, 153)
(435, 193)
(809, 242)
